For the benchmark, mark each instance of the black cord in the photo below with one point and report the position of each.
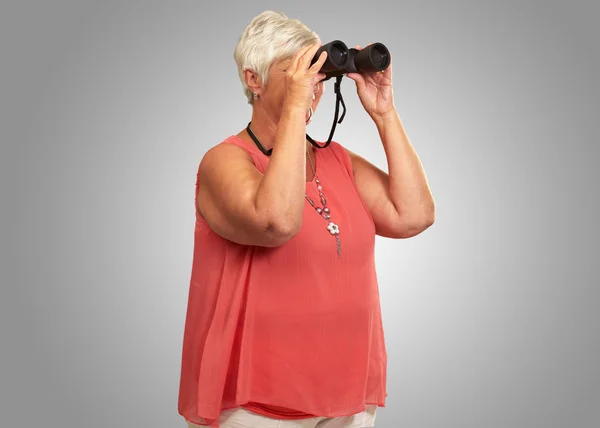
(257, 142)
(338, 100)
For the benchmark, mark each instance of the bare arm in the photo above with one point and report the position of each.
(243, 205)
(400, 202)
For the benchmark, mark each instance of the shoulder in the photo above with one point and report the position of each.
(231, 151)
(230, 146)
(354, 160)
(343, 155)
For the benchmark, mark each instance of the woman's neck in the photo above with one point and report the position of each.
(265, 129)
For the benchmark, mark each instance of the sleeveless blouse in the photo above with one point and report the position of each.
(289, 332)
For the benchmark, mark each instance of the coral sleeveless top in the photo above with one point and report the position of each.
(289, 332)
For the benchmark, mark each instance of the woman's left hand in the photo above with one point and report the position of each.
(375, 91)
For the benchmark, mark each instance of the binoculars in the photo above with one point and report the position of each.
(342, 60)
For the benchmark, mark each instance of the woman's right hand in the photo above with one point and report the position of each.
(246, 206)
(301, 77)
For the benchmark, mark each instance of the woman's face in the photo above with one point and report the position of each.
(272, 95)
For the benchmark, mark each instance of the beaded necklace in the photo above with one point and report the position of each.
(324, 210)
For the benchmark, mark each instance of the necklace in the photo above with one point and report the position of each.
(323, 211)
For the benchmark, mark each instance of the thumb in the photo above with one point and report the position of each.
(358, 79)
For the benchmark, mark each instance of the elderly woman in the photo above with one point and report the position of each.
(283, 325)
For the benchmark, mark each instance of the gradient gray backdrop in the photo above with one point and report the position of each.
(491, 316)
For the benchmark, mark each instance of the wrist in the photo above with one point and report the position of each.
(291, 109)
(386, 119)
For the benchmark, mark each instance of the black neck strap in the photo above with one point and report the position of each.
(338, 100)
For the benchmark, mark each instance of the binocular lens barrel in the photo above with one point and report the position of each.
(341, 60)
(337, 56)
(375, 57)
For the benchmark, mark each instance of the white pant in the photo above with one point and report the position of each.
(240, 417)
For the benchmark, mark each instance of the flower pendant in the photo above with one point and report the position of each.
(333, 228)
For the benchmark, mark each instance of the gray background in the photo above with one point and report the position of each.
(490, 316)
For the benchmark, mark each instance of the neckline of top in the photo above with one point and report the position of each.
(314, 158)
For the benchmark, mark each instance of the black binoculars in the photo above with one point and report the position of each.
(341, 60)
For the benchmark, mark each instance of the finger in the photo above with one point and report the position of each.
(316, 80)
(296, 59)
(308, 56)
(306, 59)
(317, 65)
(359, 79)
(358, 47)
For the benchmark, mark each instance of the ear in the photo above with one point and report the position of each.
(253, 81)
(320, 87)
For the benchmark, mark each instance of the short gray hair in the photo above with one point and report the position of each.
(269, 37)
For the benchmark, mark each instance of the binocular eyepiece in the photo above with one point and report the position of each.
(342, 60)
